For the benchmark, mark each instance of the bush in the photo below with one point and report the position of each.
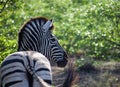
(88, 26)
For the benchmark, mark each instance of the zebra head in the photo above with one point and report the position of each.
(36, 35)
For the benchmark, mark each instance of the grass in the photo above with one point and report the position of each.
(107, 74)
(98, 74)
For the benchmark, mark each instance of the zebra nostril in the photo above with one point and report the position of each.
(62, 63)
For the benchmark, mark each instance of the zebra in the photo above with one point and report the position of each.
(35, 37)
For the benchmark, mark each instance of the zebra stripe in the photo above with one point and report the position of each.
(15, 68)
(36, 35)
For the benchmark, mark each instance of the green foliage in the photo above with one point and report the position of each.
(91, 26)
(103, 30)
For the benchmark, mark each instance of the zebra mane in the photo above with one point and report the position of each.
(40, 19)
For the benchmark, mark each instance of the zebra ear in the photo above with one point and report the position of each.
(47, 25)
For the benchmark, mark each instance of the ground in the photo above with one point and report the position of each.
(107, 74)
(58, 75)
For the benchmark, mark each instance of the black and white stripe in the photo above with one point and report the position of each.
(25, 69)
(36, 35)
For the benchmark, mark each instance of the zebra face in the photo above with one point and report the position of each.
(57, 52)
(53, 50)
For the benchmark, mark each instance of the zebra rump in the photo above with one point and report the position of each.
(25, 69)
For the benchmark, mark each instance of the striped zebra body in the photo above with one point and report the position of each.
(25, 69)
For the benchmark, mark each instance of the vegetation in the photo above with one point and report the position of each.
(87, 28)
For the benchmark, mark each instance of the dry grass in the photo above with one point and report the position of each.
(105, 75)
